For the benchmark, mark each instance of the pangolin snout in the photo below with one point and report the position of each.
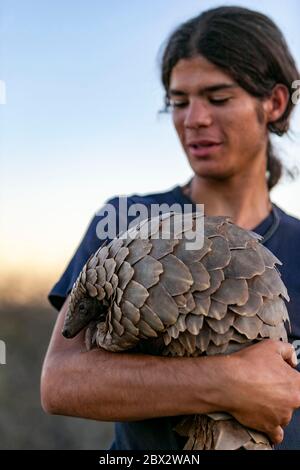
(66, 333)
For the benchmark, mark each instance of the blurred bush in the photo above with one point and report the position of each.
(26, 330)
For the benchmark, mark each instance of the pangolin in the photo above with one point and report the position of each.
(145, 289)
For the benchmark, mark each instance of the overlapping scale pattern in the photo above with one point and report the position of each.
(213, 300)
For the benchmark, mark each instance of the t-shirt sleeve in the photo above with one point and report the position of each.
(90, 243)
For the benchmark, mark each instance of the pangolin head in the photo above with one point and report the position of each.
(85, 310)
(83, 307)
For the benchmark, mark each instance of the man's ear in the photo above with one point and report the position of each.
(276, 104)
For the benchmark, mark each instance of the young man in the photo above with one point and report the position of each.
(228, 79)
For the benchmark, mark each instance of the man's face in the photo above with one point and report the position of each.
(221, 127)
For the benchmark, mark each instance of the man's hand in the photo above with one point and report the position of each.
(262, 389)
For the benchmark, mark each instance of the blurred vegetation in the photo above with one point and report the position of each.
(26, 330)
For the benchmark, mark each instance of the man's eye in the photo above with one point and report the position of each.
(81, 307)
(178, 104)
(218, 101)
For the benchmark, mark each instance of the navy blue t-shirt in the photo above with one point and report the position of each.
(157, 433)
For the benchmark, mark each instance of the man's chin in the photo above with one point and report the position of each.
(211, 171)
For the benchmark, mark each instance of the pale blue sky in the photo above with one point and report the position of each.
(81, 123)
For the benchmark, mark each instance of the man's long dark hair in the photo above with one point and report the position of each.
(248, 46)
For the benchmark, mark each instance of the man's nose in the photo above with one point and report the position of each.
(198, 114)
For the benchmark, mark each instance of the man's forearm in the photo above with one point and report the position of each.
(125, 387)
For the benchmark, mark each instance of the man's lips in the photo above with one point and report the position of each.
(203, 147)
(203, 142)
